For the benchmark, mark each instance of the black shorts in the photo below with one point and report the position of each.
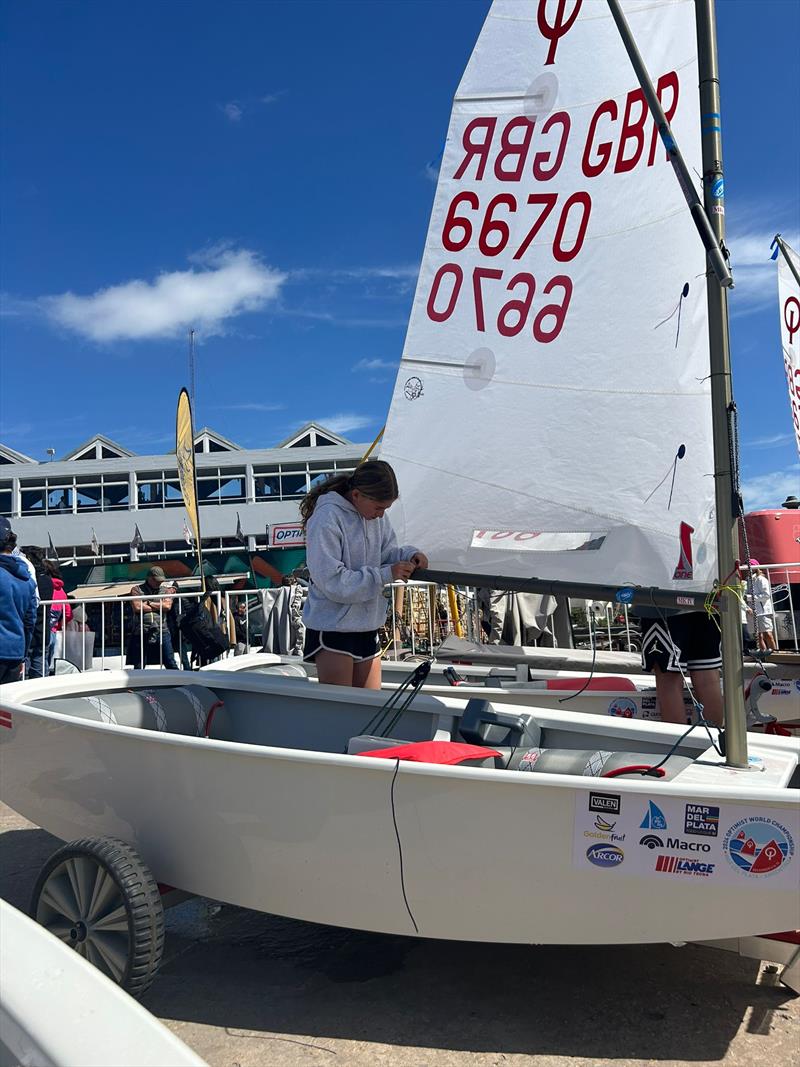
(360, 645)
(690, 641)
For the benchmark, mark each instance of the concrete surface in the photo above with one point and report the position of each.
(246, 989)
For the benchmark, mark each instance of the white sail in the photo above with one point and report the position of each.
(556, 363)
(789, 301)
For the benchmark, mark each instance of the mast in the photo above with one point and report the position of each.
(725, 460)
(779, 241)
(710, 221)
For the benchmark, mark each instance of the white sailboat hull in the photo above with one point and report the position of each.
(488, 855)
(634, 698)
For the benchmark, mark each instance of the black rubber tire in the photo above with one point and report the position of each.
(139, 896)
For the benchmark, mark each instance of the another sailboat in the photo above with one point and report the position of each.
(330, 805)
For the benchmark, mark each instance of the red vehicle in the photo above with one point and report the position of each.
(774, 540)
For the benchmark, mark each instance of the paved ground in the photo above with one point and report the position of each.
(248, 989)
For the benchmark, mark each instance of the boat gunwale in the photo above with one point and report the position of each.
(783, 795)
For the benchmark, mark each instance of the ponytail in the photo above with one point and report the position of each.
(339, 483)
(374, 478)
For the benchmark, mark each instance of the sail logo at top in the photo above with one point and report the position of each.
(556, 29)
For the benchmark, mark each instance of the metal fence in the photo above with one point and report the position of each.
(104, 634)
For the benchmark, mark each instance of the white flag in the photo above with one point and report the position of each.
(789, 303)
(95, 545)
(187, 533)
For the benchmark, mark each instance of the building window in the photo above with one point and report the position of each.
(116, 494)
(293, 484)
(89, 496)
(150, 489)
(34, 501)
(6, 498)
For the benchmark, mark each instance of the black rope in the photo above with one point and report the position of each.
(400, 849)
(585, 685)
(383, 721)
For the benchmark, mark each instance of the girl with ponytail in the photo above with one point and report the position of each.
(352, 552)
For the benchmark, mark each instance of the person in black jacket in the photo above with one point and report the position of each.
(37, 656)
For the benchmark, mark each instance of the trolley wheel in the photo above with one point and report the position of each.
(99, 897)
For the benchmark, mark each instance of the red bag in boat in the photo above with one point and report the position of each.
(444, 752)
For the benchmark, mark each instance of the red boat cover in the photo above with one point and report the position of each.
(445, 752)
(605, 684)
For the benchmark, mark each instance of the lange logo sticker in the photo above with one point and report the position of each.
(758, 846)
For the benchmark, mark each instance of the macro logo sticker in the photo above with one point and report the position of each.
(758, 846)
(702, 819)
(653, 818)
(605, 855)
(651, 841)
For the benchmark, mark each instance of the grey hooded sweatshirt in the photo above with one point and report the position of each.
(349, 560)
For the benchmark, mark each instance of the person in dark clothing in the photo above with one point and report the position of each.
(174, 616)
(37, 656)
(240, 622)
(149, 630)
(17, 606)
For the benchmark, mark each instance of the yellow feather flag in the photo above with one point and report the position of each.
(184, 451)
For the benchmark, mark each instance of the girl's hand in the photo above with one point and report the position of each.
(419, 559)
(402, 571)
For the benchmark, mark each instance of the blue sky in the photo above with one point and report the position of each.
(264, 172)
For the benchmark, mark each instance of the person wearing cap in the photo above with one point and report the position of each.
(760, 610)
(149, 629)
(17, 606)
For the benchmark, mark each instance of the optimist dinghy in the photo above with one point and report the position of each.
(266, 794)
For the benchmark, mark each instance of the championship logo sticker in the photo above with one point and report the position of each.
(758, 846)
(624, 707)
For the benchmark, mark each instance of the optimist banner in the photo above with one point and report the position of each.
(286, 535)
(789, 301)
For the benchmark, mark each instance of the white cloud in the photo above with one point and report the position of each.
(346, 423)
(754, 273)
(232, 111)
(772, 441)
(251, 407)
(230, 282)
(394, 272)
(375, 364)
(770, 490)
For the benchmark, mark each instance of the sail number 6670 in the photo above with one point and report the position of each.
(512, 316)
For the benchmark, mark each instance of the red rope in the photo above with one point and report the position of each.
(210, 716)
(635, 768)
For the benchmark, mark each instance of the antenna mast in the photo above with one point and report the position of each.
(191, 368)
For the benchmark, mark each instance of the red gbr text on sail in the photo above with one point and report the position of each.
(489, 234)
